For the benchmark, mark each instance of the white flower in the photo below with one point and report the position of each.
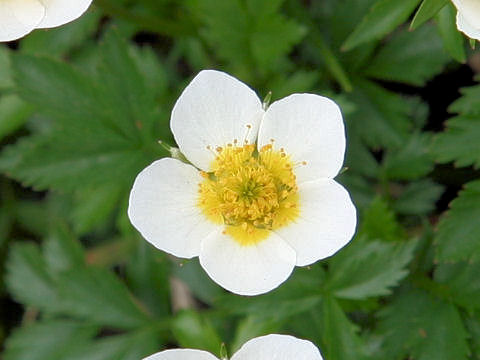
(19, 17)
(270, 347)
(260, 197)
(468, 17)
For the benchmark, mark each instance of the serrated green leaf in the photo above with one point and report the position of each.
(382, 118)
(196, 332)
(379, 222)
(459, 142)
(249, 37)
(49, 340)
(458, 233)
(418, 198)
(98, 136)
(339, 338)
(468, 103)
(427, 10)
(417, 325)
(453, 40)
(409, 57)
(368, 269)
(411, 161)
(462, 282)
(384, 16)
(28, 279)
(100, 297)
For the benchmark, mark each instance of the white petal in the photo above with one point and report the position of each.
(277, 347)
(326, 222)
(19, 17)
(464, 26)
(182, 354)
(213, 110)
(163, 207)
(470, 10)
(310, 128)
(248, 269)
(59, 12)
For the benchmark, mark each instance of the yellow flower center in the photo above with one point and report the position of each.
(251, 192)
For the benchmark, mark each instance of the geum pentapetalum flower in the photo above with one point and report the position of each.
(269, 347)
(19, 17)
(468, 17)
(259, 197)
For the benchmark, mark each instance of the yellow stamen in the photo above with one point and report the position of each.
(251, 192)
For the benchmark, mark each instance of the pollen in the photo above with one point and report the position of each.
(251, 192)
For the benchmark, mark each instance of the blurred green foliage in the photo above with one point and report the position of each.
(82, 108)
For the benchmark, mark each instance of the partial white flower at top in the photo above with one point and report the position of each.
(468, 17)
(19, 17)
(270, 347)
(259, 197)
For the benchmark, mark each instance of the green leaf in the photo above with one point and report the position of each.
(427, 10)
(132, 346)
(368, 269)
(382, 118)
(62, 251)
(339, 338)
(384, 16)
(147, 273)
(99, 297)
(194, 331)
(251, 327)
(411, 161)
(49, 340)
(453, 40)
(28, 279)
(468, 103)
(102, 130)
(92, 206)
(458, 234)
(409, 57)
(418, 198)
(473, 325)
(197, 280)
(459, 142)
(60, 41)
(13, 114)
(417, 325)
(462, 282)
(379, 222)
(250, 37)
(5, 68)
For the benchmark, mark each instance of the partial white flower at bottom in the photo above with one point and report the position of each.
(468, 17)
(19, 17)
(259, 197)
(270, 347)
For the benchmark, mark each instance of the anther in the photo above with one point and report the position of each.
(245, 138)
(219, 149)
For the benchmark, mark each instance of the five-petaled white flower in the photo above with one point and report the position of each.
(270, 347)
(19, 17)
(468, 17)
(259, 197)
